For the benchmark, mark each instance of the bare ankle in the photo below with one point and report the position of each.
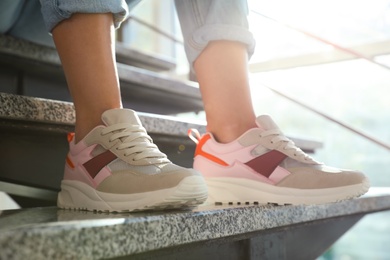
(229, 133)
(83, 128)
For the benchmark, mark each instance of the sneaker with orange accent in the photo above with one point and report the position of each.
(117, 167)
(263, 166)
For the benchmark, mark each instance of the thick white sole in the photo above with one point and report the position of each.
(235, 191)
(190, 192)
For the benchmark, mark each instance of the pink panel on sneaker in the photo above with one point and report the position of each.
(78, 174)
(79, 154)
(77, 148)
(279, 174)
(104, 173)
(229, 152)
(237, 169)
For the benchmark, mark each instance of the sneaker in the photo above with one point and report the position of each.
(263, 166)
(117, 167)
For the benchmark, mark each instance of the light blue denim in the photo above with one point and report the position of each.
(54, 11)
(202, 21)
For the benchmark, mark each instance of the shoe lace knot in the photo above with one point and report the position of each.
(279, 139)
(135, 143)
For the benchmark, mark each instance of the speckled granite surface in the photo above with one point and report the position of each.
(22, 48)
(58, 112)
(28, 50)
(36, 109)
(50, 233)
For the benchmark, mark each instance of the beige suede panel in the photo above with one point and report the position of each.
(312, 178)
(126, 182)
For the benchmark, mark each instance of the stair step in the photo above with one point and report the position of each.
(53, 112)
(207, 232)
(156, 93)
(140, 59)
(62, 114)
(35, 70)
(126, 55)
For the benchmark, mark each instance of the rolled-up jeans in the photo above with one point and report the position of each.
(201, 21)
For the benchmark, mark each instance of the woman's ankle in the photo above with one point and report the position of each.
(229, 133)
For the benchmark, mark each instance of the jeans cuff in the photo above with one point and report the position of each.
(55, 11)
(201, 37)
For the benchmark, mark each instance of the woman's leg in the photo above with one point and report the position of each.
(83, 32)
(85, 43)
(218, 45)
(222, 72)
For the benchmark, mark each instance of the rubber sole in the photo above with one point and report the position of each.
(190, 192)
(235, 191)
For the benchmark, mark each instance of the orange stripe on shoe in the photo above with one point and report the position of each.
(69, 162)
(70, 137)
(199, 151)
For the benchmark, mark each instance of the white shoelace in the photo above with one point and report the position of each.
(136, 142)
(278, 137)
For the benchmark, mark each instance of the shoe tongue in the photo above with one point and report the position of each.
(265, 122)
(118, 116)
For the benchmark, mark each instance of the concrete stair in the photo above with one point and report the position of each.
(207, 232)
